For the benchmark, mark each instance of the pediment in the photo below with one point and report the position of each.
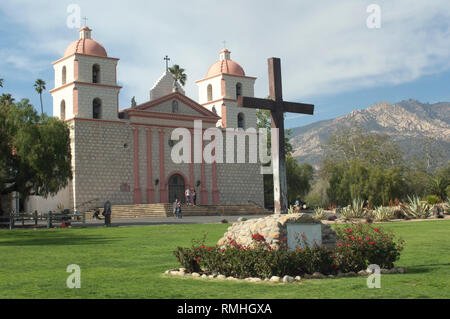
(175, 104)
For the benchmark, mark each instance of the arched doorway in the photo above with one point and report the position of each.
(176, 188)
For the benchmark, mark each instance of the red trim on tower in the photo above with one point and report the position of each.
(75, 70)
(224, 115)
(223, 87)
(75, 101)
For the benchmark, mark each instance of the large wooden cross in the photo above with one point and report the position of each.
(277, 108)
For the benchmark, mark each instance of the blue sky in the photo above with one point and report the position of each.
(329, 56)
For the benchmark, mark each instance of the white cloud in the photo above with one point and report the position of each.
(325, 46)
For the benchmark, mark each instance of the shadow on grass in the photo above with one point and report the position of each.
(57, 240)
(418, 269)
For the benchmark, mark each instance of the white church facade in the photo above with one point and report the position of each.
(124, 155)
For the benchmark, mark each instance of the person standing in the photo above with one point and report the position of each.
(107, 213)
(175, 204)
(194, 197)
(179, 209)
(188, 196)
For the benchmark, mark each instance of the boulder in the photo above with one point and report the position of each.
(274, 230)
(288, 279)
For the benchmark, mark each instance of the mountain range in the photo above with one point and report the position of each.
(417, 128)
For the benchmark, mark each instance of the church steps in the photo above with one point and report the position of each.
(165, 210)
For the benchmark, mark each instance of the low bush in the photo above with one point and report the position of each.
(361, 245)
(357, 247)
(415, 208)
(383, 213)
(319, 213)
(259, 260)
(433, 199)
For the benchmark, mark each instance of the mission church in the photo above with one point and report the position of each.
(124, 155)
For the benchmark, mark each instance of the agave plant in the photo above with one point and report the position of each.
(355, 210)
(291, 210)
(346, 212)
(446, 206)
(383, 213)
(319, 213)
(416, 208)
(358, 208)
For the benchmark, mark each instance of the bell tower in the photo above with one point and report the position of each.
(225, 81)
(85, 81)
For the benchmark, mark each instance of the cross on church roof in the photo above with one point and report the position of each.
(85, 20)
(167, 62)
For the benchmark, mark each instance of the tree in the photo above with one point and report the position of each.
(356, 143)
(39, 86)
(1, 83)
(35, 156)
(178, 74)
(298, 177)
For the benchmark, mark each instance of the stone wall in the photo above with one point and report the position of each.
(274, 229)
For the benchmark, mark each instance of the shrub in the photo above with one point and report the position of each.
(319, 213)
(416, 209)
(357, 247)
(433, 199)
(383, 213)
(259, 260)
(356, 210)
(361, 245)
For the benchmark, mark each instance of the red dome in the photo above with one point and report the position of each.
(225, 65)
(86, 46)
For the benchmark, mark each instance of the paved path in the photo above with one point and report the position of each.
(166, 220)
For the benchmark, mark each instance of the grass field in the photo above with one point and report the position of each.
(128, 262)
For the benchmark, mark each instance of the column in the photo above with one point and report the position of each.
(163, 193)
(137, 189)
(215, 191)
(150, 189)
(204, 191)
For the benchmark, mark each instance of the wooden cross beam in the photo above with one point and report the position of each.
(277, 108)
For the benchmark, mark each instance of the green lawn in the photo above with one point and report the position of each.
(128, 262)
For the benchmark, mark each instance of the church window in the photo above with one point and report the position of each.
(240, 120)
(63, 75)
(96, 108)
(210, 92)
(174, 106)
(238, 90)
(63, 110)
(95, 73)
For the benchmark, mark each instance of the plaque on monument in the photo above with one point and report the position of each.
(313, 233)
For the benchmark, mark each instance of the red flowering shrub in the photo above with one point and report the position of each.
(362, 245)
(258, 260)
(357, 247)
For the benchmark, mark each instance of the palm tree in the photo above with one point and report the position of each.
(178, 74)
(39, 86)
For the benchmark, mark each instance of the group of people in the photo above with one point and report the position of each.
(191, 199)
(106, 213)
(190, 196)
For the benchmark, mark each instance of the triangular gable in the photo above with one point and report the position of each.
(186, 106)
